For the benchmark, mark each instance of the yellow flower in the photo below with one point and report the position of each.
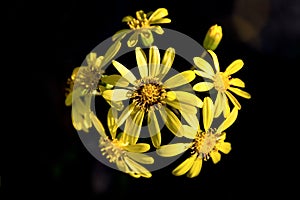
(142, 26)
(205, 144)
(126, 157)
(83, 84)
(150, 95)
(213, 37)
(222, 82)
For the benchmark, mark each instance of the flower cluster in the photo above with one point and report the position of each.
(193, 104)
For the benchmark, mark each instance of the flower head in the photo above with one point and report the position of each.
(127, 158)
(151, 95)
(213, 37)
(142, 26)
(222, 82)
(205, 143)
(87, 77)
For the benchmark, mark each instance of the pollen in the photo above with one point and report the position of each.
(221, 82)
(112, 149)
(149, 93)
(204, 143)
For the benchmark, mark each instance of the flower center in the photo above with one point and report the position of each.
(140, 22)
(149, 93)
(89, 78)
(113, 149)
(204, 143)
(221, 82)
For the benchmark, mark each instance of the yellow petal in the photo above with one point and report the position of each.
(161, 21)
(158, 29)
(171, 121)
(219, 104)
(115, 79)
(171, 150)
(128, 75)
(133, 39)
(134, 175)
(87, 122)
(185, 166)
(215, 156)
(189, 132)
(125, 114)
(234, 67)
(122, 166)
(203, 74)
(74, 73)
(147, 37)
(98, 125)
(207, 112)
(233, 99)
(154, 129)
(127, 19)
(158, 14)
(203, 86)
(91, 58)
(112, 122)
(237, 82)
(204, 65)
(215, 60)
(180, 79)
(141, 60)
(137, 148)
(226, 110)
(191, 119)
(167, 62)
(228, 121)
(137, 168)
(141, 158)
(68, 100)
(195, 169)
(100, 60)
(140, 15)
(133, 126)
(111, 52)
(118, 105)
(116, 94)
(181, 106)
(188, 98)
(79, 105)
(76, 120)
(154, 61)
(120, 34)
(240, 92)
(225, 147)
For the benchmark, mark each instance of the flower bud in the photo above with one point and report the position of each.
(213, 37)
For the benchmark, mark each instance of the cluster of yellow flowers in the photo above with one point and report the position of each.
(156, 99)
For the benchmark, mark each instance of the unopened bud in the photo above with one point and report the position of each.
(213, 37)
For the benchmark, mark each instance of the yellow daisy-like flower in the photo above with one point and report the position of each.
(83, 84)
(222, 82)
(205, 144)
(125, 156)
(150, 95)
(142, 26)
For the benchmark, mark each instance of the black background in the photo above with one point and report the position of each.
(44, 41)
